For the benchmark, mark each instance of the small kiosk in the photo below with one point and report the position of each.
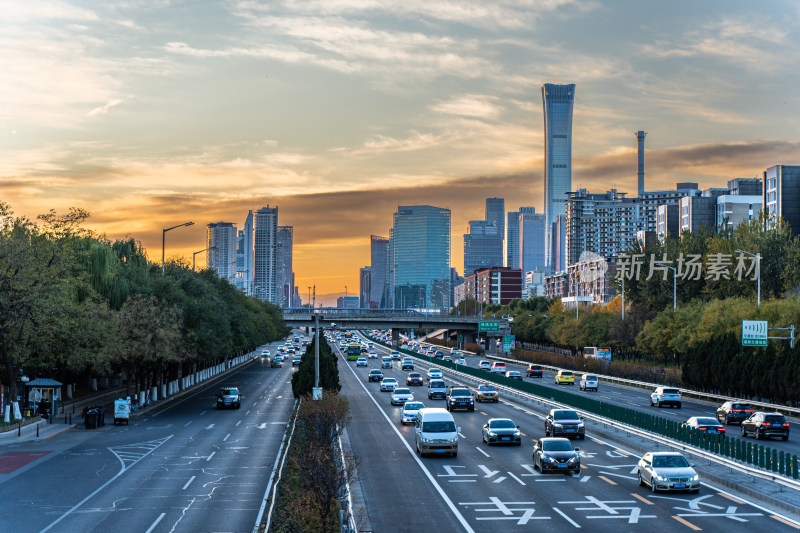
(42, 395)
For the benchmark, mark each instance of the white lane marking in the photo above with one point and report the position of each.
(153, 526)
(204, 412)
(483, 452)
(125, 468)
(210, 456)
(187, 423)
(531, 470)
(568, 519)
(237, 423)
(462, 435)
(427, 472)
(584, 479)
(210, 426)
(518, 480)
(226, 437)
(189, 482)
(247, 413)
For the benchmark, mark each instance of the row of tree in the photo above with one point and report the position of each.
(74, 304)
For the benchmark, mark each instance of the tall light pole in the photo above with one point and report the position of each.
(164, 240)
(309, 296)
(674, 285)
(194, 254)
(758, 266)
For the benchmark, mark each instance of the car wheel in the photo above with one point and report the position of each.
(758, 435)
(471, 409)
(641, 483)
(651, 402)
(744, 431)
(535, 464)
(455, 454)
(678, 406)
(581, 437)
(652, 486)
(658, 404)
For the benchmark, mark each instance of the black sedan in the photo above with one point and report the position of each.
(564, 422)
(766, 425)
(706, 424)
(375, 375)
(556, 454)
(535, 371)
(501, 431)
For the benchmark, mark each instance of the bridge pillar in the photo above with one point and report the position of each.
(469, 336)
(395, 337)
(491, 345)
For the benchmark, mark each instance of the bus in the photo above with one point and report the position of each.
(353, 351)
(603, 354)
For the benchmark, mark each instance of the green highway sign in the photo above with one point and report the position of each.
(489, 325)
(508, 343)
(754, 332)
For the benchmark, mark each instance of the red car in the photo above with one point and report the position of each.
(414, 378)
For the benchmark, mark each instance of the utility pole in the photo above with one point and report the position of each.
(317, 392)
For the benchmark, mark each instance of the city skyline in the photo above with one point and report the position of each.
(150, 114)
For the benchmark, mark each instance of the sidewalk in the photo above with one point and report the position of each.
(28, 433)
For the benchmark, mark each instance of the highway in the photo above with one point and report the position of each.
(639, 399)
(496, 488)
(186, 466)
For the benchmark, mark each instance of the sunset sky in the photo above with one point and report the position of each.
(152, 113)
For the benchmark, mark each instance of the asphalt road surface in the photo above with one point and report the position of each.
(184, 467)
(496, 488)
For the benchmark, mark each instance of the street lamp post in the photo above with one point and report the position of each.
(758, 266)
(164, 240)
(674, 292)
(194, 254)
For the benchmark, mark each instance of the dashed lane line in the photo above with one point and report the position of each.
(784, 521)
(189, 482)
(483, 452)
(731, 498)
(604, 478)
(153, 526)
(213, 453)
(687, 523)
(642, 498)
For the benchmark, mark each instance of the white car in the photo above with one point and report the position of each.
(386, 362)
(361, 361)
(666, 396)
(410, 410)
(434, 373)
(461, 361)
(373, 355)
(588, 382)
(388, 384)
(485, 365)
(667, 471)
(498, 368)
(401, 396)
(265, 353)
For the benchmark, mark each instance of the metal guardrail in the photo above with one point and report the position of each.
(783, 409)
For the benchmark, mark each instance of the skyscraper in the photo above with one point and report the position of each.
(558, 102)
(531, 240)
(285, 244)
(265, 255)
(244, 259)
(221, 249)
(419, 258)
(483, 245)
(379, 263)
(512, 239)
(495, 212)
(781, 196)
(363, 287)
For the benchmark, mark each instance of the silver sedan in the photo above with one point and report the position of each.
(667, 471)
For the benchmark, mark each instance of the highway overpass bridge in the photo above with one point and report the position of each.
(395, 320)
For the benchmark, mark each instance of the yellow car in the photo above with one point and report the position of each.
(565, 377)
(487, 393)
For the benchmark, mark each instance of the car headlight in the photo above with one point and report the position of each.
(492, 434)
(550, 459)
(661, 478)
(580, 424)
(573, 460)
(517, 433)
(557, 425)
(695, 478)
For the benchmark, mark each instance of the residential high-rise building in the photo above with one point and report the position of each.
(244, 257)
(379, 264)
(221, 249)
(669, 222)
(347, 302)
(781, 197)
(531, 240)
(364, 287)
(285, 244)
(746, 187)
(651, 200)
(240, 268)
(266, 267)
(419, 258)
(558, 243)
(512, 239)
(558, 102)
(700, 211)
(605, 224)
(496, 285)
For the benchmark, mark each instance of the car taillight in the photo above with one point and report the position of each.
(786, 424)
(721, 429)
(765, 424)
(736, 410)
(748, 411)
(702, 429)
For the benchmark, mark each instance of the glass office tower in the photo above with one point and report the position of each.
(419, 258)
(379, 255)
(558, 102)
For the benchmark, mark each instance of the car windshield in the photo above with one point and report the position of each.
(741, 406)
(459, 392)
(557, 446)
(670, 461)
(590, 377)
(390, 380)
(413, 406)
(774, 419)
(402, 391)
(375, 372)
(566, 373)
(437, 384)
(708, 421)
(565, 415)
(229, 392)
(502, 424)
(486, 388)
(414, 375)
(444, 426)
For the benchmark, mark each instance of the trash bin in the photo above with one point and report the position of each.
(101, 415)
(90, 419)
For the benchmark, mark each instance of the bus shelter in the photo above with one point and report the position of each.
(42, 395)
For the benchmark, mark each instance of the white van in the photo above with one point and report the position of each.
(435, 432)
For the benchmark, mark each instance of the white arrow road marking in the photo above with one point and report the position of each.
(210, 426)
(262, 425)
(531, 470)
(489, 473)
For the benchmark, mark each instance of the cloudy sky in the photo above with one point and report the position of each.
(154, 112)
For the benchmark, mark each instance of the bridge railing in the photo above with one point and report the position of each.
(358, 312)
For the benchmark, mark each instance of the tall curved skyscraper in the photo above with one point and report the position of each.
(558, 102)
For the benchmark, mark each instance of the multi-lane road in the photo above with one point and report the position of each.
(186, 466)
(496, 488)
